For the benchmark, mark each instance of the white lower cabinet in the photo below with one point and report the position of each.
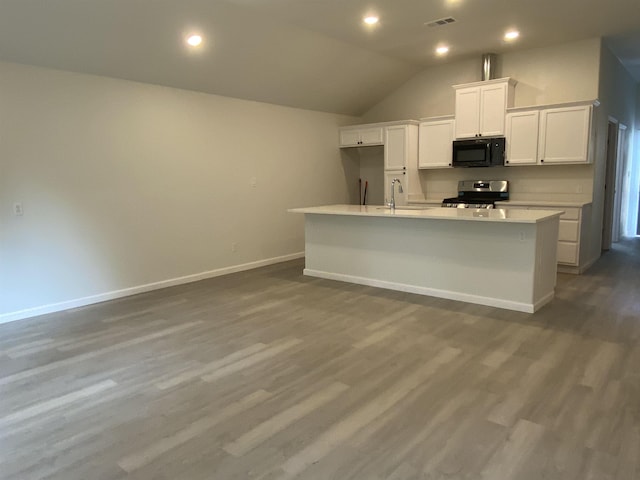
(571, 234)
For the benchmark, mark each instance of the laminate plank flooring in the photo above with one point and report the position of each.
(268, 375)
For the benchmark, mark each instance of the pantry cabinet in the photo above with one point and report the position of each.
(399, 156)
(547, 136)
(401, 160)
(480, 108)
(435, 140)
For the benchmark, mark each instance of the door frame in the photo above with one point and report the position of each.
(611, 158)
(621, 167)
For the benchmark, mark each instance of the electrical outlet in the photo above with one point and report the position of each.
(253, 181)
(522, 236)
(17, 209)
(579, 188)
(234, 247)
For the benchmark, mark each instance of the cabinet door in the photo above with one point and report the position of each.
(396, 147)
(435, 144)
(371, 136)
(349, 138)
(493, 107)
(564, 135)
(567, 253)
(522, 138)
(389, 175)
(467, 112)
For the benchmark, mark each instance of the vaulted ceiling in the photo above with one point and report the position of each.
(313, 54)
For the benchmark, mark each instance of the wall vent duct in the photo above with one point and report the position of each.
(440, 22)
(489, 61)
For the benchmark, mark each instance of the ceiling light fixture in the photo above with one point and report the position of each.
(442, 50)
(194, 40)
(511, 35)
(371, 20)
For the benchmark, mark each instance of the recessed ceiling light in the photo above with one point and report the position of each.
(371, 20)
(511, 35)
(442, 50)
(194, 40)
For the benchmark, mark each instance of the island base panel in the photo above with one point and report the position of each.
(506, 265)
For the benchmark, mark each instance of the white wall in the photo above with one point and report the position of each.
(365, 164)
(633, 223)
(126, 184)
(617, 93)
(631, 183)
(562, 73)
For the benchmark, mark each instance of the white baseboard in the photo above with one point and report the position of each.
(577, 270)
(432, 292)
(103, 297)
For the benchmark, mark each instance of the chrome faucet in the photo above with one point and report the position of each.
(392, 203)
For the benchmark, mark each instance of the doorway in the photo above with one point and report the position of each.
(621, 169)
(610, 184)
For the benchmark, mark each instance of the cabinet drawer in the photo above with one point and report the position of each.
(568, 230)
(568, 253)
(570, 213)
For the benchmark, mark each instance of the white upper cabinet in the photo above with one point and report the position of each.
(361, 136)
(493, 108)
(481, 108)
(547, 136)
(397, 145)
(435, 142)
(522, 138)
(467, 112)
(564, 134)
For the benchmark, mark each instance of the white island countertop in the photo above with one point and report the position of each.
(464, 214)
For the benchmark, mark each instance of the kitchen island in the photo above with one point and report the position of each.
(501, 258)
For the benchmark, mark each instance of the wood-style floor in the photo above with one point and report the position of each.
(268, 374)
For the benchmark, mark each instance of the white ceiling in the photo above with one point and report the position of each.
(313, 54)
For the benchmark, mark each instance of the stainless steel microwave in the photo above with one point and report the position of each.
(479, 152)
